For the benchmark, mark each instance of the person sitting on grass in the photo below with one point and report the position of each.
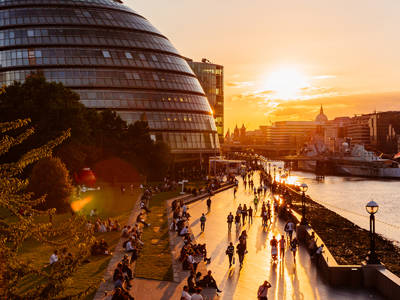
(318, 252)
(103, 247)
(54, 257)
(144, 207)
(140, 219)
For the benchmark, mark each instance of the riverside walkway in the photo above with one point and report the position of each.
(289, 279)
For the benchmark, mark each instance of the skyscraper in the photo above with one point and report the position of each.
(211, 77)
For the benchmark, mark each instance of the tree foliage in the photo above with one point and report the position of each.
(50, 178)
(23, 223)
(95, 135)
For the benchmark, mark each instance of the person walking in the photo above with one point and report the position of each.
(293, 247)
(208, 203)
(255, 202)
(244, 213)
(282, 244)
(229, 220)
(237, 222)
(262, 293)
(230, 250)
(250, 211)
(202, 222)
(241, 251)
(234, 192)
(289, 228)
(274, 248)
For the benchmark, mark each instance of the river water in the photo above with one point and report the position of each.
(348, 196)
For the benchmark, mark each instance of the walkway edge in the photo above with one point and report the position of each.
(107, 286)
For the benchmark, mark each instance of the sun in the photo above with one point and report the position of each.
(286, 83)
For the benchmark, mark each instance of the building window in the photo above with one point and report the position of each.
(128, 55)
(31, 33)
(106, 54)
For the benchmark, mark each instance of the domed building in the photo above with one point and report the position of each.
(321, 118)
(113, 58)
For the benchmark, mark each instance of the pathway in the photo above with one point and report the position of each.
(289, 280)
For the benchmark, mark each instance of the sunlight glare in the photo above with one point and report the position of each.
(286, 83)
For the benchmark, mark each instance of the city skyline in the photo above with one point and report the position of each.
(282, 60)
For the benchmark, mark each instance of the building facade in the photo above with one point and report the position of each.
(114, 59)
(211, 77)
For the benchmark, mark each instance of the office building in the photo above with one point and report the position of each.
(211, 77)
(114, 59)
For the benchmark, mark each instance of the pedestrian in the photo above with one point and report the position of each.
(230, 250)
(208, 203)
(282, 243)
(263, 291)
(237, 222)
(289, 228)
(239, 210)
(244, 213)
(274, 248)
(234, 192)
(293, 247)
(250, 211)
(202, 222)
(230, 221)
(241, 251)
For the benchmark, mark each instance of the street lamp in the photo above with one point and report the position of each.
(372, 208)
(303, 189)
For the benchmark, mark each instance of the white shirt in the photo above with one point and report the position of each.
(186, 295)
(290, 226)
(196, 297)
(319, 250)
(191, 259)
(129, 246)
(53, 258)
(184, 231)
(184, 208)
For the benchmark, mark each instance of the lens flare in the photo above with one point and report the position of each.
(79, 204)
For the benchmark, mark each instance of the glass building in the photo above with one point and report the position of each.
(211, 77)
(113, 58)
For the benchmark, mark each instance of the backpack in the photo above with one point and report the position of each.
(202, 219)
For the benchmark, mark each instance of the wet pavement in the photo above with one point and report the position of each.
(290, 279)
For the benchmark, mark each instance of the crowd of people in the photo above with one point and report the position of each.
(191, 254)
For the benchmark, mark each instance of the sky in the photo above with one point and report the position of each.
(283, 59)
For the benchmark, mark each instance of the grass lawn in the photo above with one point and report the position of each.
(155, 260)
(109, 202)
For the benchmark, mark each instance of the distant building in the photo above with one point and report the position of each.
(211, 77)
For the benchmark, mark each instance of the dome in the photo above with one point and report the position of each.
(321, 118)
(113, 58)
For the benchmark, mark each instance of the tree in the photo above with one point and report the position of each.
(23, 224)
(50, 178)
(95, 135)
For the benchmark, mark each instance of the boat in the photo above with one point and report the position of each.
(354, 160)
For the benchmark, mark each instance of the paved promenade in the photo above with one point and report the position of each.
(289, 279)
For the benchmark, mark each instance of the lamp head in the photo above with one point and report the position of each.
(304, 187)
(372, 207)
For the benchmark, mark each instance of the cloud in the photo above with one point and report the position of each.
(324, 77)
(240, 84)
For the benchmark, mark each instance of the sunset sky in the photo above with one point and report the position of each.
(284, 58)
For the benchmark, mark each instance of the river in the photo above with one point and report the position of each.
(348, 196)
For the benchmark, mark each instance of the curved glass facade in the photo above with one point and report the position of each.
(113, 58)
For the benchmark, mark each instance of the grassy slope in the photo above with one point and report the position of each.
(155, 261)
(109, 202)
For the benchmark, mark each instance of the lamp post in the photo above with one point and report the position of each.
(372, 208)
(303, 188)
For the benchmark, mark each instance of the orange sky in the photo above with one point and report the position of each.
(284, 58)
